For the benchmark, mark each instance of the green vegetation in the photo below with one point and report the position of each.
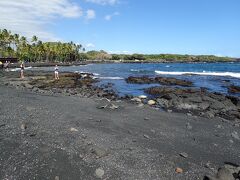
(34, 50)
(13, 45)
(170, 58)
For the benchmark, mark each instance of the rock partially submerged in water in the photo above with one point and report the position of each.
(197, 101)
(158, 80)
(234, 89)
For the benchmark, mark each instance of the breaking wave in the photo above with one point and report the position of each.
(18, 69)
(232, 74)
(112, 78)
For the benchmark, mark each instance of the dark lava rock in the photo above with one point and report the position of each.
(78, 84)
(140, 80)
(234, 89)
(183, 154)
(158, 80)
(172, 81)
(197, 101)
(67, 80)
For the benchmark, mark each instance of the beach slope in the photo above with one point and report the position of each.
(50, 136)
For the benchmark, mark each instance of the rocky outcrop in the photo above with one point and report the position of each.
(139, 80)
(197, 101)
(158, 80)
(172, 81)
(77, 84)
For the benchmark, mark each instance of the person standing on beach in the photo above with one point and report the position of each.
(21, 70)
(6, 65)
(56, 72)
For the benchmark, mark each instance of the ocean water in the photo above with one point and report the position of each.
(213, 76)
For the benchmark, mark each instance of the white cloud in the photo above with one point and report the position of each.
(90, 45)
(103, 2)
(29, 17)
(90, 14)
(109, 16)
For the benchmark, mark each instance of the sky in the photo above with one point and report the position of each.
(130, 26)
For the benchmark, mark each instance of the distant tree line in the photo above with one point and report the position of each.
(170, 57)
(35, 50)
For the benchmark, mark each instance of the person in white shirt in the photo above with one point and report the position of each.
(56, 72)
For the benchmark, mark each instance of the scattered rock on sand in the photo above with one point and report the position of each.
(73, 129)
(102, 107)
(151, 102)
(23, 126)
(146, 136)
(183, 154)
(146, 118)
(179, 170)
(99, 173)
(207, 165)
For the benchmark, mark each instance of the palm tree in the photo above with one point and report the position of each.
(34, 41)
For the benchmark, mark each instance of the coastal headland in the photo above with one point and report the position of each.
(72, 129)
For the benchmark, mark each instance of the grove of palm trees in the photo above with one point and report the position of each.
(34, 50)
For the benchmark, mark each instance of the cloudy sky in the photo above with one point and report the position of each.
(134, 26)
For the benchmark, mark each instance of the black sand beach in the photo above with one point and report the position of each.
(47, 135)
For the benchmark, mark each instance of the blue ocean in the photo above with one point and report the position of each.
(216, 77)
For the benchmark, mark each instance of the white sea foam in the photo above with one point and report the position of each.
(83, 72)
(232, 74)
(112, 78)
(135, 70)
(18, 69)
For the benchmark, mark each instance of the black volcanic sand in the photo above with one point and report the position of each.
(46, 135)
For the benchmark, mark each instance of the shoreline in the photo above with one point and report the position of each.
(64, 136)
(51, 64)
(173, 95)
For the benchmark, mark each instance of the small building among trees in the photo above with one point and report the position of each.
(9, 59)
